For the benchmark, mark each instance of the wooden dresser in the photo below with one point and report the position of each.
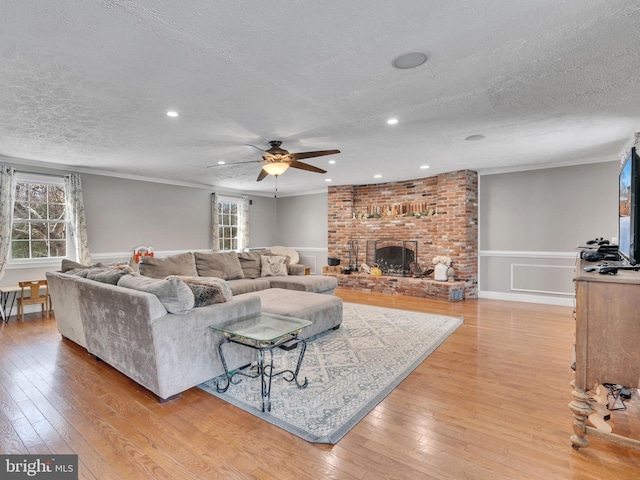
(607, 343)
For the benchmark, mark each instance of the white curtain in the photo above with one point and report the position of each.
(215, 234)
(7, 195)
(244, 221)
(77, 221)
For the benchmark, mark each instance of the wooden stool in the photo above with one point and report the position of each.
(34, 297)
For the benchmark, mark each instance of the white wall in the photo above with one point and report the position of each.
(531, 223)
(302, 224)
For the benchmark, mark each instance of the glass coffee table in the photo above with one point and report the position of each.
(263, 332)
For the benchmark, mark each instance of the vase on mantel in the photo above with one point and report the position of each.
(440, 272)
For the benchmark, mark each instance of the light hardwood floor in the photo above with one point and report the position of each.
(490, 403)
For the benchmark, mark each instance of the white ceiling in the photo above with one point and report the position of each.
(85, 85)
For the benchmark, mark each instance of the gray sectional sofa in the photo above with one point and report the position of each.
(153, 326)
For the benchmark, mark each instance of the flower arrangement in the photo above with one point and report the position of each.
(443, 259)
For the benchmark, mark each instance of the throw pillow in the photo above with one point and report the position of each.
(174, 294)
(71, 265)
(207, 290)
(273, 266)
(221, 265)
(181, 264)
(251, 263)
(106, 275)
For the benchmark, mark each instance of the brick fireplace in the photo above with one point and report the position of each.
(439, 215)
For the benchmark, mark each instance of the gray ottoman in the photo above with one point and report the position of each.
(325, 311)
(305, 283)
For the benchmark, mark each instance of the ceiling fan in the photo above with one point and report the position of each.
(277, 160)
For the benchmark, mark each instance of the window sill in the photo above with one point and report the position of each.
(44, 263)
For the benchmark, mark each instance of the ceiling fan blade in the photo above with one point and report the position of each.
(306, 166)
(234, 163)
(262, 175)
(319, 153)
(258, 149)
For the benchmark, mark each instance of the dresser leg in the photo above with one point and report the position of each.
(581, 409)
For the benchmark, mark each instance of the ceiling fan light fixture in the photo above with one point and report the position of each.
(275, 168)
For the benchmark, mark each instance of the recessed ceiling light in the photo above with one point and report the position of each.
(171, 113)
(332, 162)
(377, 176)
(409, 60)
(221, 162)
(424, 167)
(473, 138)
(328, 180)
(392, 121)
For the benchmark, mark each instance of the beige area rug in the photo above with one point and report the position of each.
(349, 371)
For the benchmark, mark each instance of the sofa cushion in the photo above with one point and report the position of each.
(306, 283)
(251, 263)
(181, 264)
(71, 265)
(246, 285)
(223, 265)
(106, 275)
(273, 266)
(174, 294)
(207, 290)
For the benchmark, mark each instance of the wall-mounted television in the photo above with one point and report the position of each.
(629, 209)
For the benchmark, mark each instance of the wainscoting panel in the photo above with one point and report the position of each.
(538, 277)
(315, 258)
(552, 279)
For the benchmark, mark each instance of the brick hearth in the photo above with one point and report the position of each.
(414, 287)
(440, 213)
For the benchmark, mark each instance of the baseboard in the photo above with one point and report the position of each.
(522, 297)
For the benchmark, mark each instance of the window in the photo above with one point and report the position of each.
(228, 224)
(39, 225)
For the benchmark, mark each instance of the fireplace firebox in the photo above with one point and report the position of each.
(392, 256)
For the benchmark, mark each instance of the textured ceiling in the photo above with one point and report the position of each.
(85, 85)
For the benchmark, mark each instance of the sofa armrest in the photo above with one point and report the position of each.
(297, 269)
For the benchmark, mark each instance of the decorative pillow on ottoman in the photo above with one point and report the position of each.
(207, 290)
(174, 294)
(273, 266)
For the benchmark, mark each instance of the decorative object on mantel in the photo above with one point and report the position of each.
(333, 262)
(365, 268)
(441, 266)
(375, 270)
(396, 210)
(418, 272)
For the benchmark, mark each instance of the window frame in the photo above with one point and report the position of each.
(237, 201)
(41, 179)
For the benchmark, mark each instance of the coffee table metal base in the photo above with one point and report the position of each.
(263, 369)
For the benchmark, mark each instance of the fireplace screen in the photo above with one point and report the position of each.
(392, 256)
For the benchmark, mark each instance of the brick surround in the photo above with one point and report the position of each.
(440, 212)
